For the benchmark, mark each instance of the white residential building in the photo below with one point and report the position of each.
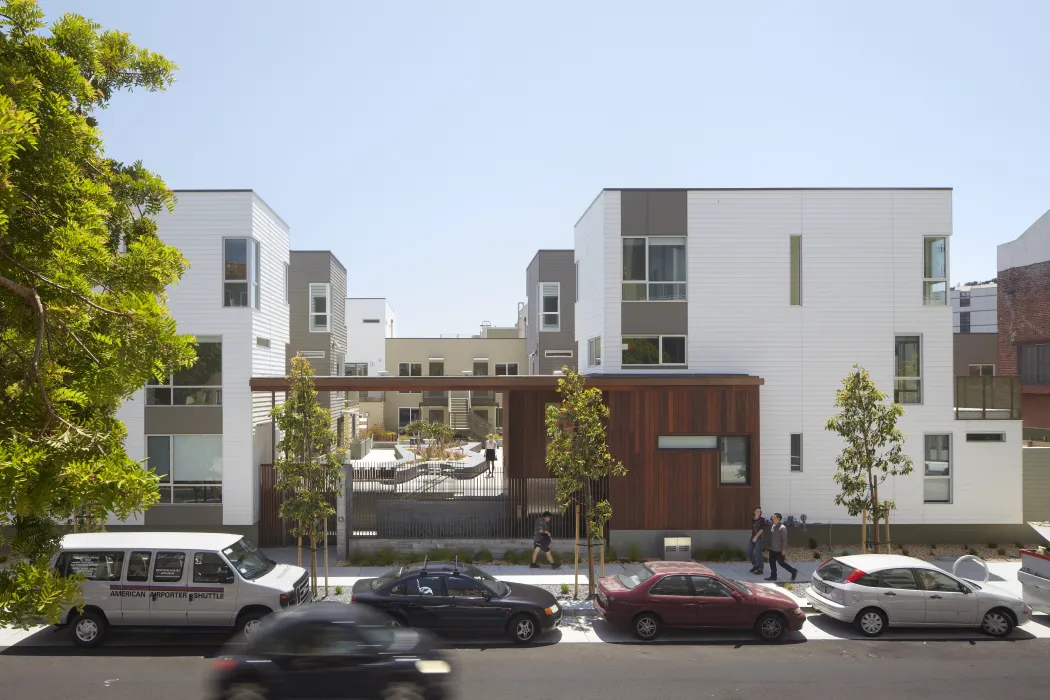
(204, 431)
(776, 283)
(974, 308)
(369, 322)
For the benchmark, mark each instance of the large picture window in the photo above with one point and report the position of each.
(937, 469)
(199, 385)
(189, 467)
(655, 350)
(734, 461)
(1033, 362)
(654, 268)
(935, 271)
(907, 373)
(241, 272)
(406, 415)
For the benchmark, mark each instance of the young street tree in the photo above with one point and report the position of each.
(578, 455)
(873, 448)
(83, 321)
(309, 462)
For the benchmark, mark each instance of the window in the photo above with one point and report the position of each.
(169, 567)
(409, 369)
(422, 585)
(287, 285)
(671, 585)
(499, 417)
(576, 280)
(940, 582)
(209, 567)
(256, 272)
(654, 269)
(94, 566)
(708, 587)
(311, 354)
(734, 469)
(937, 473)
(356, 369)
(189, 467)
(138, 566)
(686, 442)
(1033, 361)
(594, 352)
(199, 385)
(907, 384)
(241, 258)
(901, 579)
(796, 270)
(550, 306)
(985, 437)
(461, 587)
(319, 639)
(654, 350)
(982, 370)
(796, 452)
(964, 322)
(506, 369)
(320, 311)
(481, 368)
(370, 320)
(557, 353)
(406, 415)
(964, 299)
(935, 271)
(262, 342)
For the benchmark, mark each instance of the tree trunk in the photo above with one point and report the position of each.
(875, 516)
(589, 500)
(313, 557)
(299, 544)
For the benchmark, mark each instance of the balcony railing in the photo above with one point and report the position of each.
(988, 398)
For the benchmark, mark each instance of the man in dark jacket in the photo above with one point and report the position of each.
(754, 545)
(778, 543)
(542, 541)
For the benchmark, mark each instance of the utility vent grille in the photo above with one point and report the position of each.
(678, 548)
(312, 354)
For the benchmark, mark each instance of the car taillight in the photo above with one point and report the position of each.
(223, 664)
(855, 576)
(353, 599)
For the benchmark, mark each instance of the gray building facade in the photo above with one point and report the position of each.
(550, 328)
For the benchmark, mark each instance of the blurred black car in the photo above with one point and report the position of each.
(450, 596)
(331, 650)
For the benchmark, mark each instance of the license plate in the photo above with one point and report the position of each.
(823, 588)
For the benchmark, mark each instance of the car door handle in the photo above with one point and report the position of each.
(889, 593)
(935, 597)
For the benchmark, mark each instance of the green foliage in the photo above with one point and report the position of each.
(1018, 545)
(816, 555)
(933, 547)
(359, 557)
(720, 554)
(578, 456)
(904, 551)
(386, 557)
(993, 546)
(610, 554)
(83, 320)
(874, 446)
(483, 556)
(1001, 552)
(634, 553)
(971, 551)
(339, 590)
(440, 555)
(465, 556)
(565, 589)
(510, 557)
(812, 543)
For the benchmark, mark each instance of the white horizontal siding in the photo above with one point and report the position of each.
(589, 252)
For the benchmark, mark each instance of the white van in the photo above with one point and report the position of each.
(174, 579)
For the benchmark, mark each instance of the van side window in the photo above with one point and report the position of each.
(138, 566)
(62, 563)
(169, 567)
(209, 567)
(96, 566)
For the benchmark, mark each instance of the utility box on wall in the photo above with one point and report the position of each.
(678, 548)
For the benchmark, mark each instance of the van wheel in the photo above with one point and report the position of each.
(248, 623)
(89, 629)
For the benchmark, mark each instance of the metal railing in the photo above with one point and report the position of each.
(987, 398)
(1036, 434)
(479, 427)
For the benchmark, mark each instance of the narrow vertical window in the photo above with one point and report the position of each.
(256, 258)
(907, 373)
(235, 272)
(577, 267)
(287, 288)
(964, 321)
(319, 308)
(937, 469)
(550, 306)
(935, 271)
(796, 270)
(796, 452)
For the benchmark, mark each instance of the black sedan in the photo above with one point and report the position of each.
(331, 650)
(459, 597)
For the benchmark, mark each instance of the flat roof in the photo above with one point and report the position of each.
(525, 382)
(149, 540)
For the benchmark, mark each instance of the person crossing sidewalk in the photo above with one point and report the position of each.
(778, 543)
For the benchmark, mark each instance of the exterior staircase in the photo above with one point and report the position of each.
(459, 413)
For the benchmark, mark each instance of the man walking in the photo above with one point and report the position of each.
(541, 540)
(754, 545)
(778, 543)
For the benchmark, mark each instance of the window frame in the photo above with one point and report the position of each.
(543, 326)
(287, 284)
(215, 389)
(899, 378)
(659, 350)
(668, 577)
(949, 477)
(647, 283)
(669, 445)
(156, 559)
(964, 298)
(311, 314)
(418, 415)
(252, 274)
(980, 373)
(927, 296)
(1024, 363)
(202, 553)
(594, 352)
(558, 354)
(795, 468)
(170, 483)
(964, 316)
(795, 270)
(506, 369)
(722, 463)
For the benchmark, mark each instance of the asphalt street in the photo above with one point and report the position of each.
(931, 670)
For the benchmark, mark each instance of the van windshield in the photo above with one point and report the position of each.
(250, 562)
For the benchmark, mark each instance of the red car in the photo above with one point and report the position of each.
(684, 594)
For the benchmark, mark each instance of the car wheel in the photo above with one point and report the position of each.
(646, 626)
(522, 628)
(997, 623)
(249, 622)
(396, 621)
(871, 622)
(400, 690)
(89, 629)
(771, 627)
(245, 691)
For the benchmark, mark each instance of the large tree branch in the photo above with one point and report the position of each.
(66, 289)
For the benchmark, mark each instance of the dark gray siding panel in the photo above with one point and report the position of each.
(532, 340)
(194, 517)
(974, 349)
(308, 267)
(183, 420)
(667, 213)
(664, 317)
(558, 266)
(634, 212)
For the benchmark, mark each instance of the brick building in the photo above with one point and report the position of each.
(1024, 319)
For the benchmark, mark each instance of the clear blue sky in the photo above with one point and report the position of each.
(435, 146)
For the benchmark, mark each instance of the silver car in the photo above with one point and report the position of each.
(874, 591)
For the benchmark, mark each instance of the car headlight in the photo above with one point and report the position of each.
(433, 666)
(552, 609)
(796, 611)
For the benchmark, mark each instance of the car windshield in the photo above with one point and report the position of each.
(633, 578)
(387, 578)
(249, 561)
(744, 588)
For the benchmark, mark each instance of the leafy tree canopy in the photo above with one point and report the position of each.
(83, 322)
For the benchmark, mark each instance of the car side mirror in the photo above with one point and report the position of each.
(738, 595)
(227, 577)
